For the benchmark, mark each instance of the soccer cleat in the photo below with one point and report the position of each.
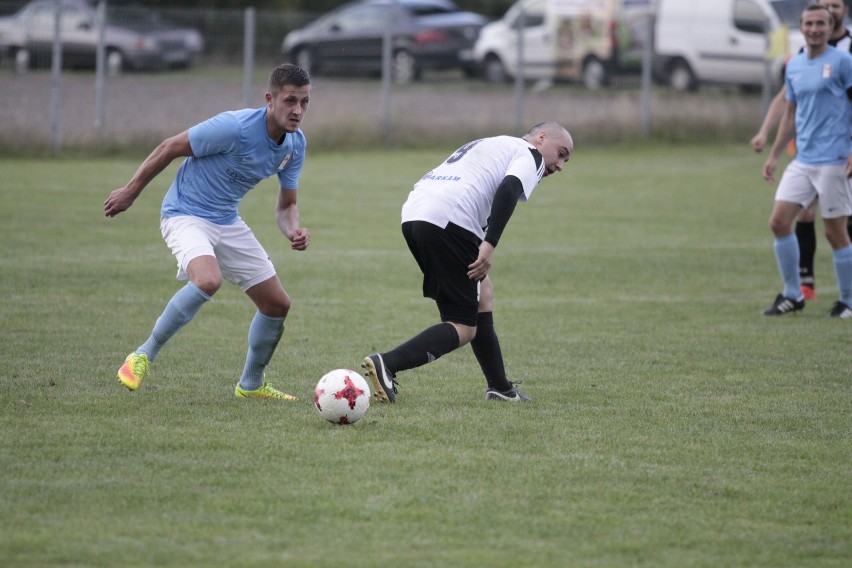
(840, 310)
(265, 391)
(809, 292)
(783, 305)
(511, 395)
(134, 370)
(384, 383)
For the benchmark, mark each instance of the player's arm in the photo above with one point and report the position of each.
(505, 200)
(163, 155)
(287, 216)
(773, 116)
(782, 137)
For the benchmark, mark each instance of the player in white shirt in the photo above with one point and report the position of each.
(452, 221)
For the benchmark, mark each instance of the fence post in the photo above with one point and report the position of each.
(647, 83)
(519, 76)
(387, 71)
(100, 70)
(56, 76)
(248, 56)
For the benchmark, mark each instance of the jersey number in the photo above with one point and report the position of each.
(459, 154)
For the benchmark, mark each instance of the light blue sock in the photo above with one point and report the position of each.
(843, 272)
(787, 257)
(263, 336)
(180, 309)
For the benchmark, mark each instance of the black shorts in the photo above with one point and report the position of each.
(444, 256)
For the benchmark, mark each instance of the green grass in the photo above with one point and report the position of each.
(673, 425)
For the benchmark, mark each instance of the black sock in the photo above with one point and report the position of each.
(806, 235)
(486, 348)
(424, 348)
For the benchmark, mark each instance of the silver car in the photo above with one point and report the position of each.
(134, 37)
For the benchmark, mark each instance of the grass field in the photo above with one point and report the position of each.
(673, 424)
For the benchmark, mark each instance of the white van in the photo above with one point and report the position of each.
(588, 40)
(725, 41)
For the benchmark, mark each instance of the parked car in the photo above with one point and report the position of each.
(725, 41)
(427, 35)
(570, 40)
(134, 37)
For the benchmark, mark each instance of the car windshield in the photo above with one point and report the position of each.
(789, 11)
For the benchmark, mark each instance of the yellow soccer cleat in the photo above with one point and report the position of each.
(134, 370)
(265, 391)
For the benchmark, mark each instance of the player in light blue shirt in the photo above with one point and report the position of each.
(225, 157)
(819, 89)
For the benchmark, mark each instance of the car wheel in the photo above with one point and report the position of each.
(493, 70)
(681, 77)
(114, 62)
(22, 61)
(304, 59)
(404, 68)
(594, 74)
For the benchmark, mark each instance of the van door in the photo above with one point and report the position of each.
(739, 53)
(531, 22)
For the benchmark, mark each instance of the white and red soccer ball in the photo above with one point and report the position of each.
(342, 396)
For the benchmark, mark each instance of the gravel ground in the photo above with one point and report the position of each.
(141, 109)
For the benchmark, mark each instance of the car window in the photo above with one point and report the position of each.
(73, 17)
(533, 16)
(429, 10)
(749, 17)
(362, 18)
(789, 11)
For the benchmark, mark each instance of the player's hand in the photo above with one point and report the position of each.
(758, 142)
(479, 268)
(769, 169)
(119, 200)
(849, 166)
(299, 238)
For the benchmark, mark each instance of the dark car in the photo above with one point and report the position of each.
(134, 37)
(427, 35)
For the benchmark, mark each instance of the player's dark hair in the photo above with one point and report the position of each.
(815, 7)
(288, 74)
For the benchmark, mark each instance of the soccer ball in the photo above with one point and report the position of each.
(342, 396)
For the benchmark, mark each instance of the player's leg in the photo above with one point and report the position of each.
(264, 333)
(245, 263)
(795, 191)
(486, 349)
(836, 199)
(189, 240)
(443, 257)
(806, 237)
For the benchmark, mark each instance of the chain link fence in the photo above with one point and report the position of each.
(137, 107)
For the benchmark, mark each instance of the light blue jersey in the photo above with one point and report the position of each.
(823, 111)
(232, 153)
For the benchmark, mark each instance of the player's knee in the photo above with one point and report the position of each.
(779, 227)
(277, 308)
(209, 284)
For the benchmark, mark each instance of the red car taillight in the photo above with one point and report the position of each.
(431, 36)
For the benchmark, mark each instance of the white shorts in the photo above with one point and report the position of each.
(801, 183)
(241, 258)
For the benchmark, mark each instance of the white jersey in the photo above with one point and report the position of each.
(461, 190)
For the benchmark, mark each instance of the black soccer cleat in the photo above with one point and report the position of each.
(383, 381)
(841, 311)
(511, 395)
(783, 305)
